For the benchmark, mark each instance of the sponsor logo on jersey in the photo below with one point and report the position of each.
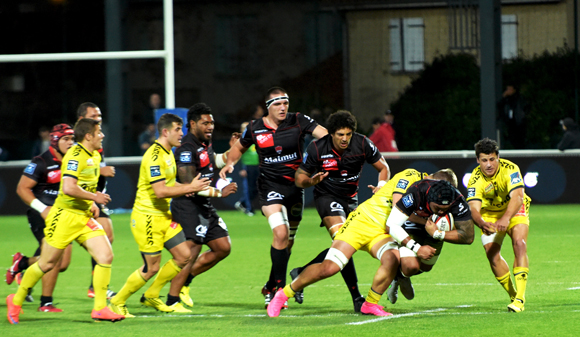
(90, 162)
(278, 149)
(402, 184)
(30, 168)
(173, 224)
(296, 210)
(185, 157)
(204, 159)
(471, 192)
(274, 196)
(327, 156)
(343, 173)
(281, 159)
(94, 225)
(265, 140)
(53, 177)
(50, 192)
(309, 118)
(515, 178)
(260, 131)
(72, 165)
(52, 166)
(330, 164)
(462, 210)
(488, 188)
(373, 147)
(155, 171)
(336, 207)
(201, 230)
(408, 200)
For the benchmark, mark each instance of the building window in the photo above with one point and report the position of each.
(407, 45)
(237, 46)
(509, 37)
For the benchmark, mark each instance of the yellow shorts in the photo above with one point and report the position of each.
(521, 217)
(152, 231)
(63, 227)
(361, 232)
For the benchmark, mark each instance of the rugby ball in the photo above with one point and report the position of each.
(444, 223)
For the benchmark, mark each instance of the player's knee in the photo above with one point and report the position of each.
(519, 245)
(278, 219)
(182, 260)
(334, 262)
(409, 270)
(105, 258)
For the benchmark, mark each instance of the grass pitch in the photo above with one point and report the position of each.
(460, 297)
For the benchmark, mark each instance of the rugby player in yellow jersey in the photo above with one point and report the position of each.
(151, 221)
(365, 229)
(499, 205)
(72, 218)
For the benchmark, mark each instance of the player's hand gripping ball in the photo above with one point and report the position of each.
(444, 223)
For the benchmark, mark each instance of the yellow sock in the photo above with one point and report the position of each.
(134, 282)
(101, 279)
(373, 297)
(288, 291)
(32, 275)
(507, 284)
(521, 276)
(169, 270)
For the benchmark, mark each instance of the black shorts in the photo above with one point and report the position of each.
(328, 205)
(103, 211)
(420, 235)
(36, 226)
(199, 227)
(289, 196)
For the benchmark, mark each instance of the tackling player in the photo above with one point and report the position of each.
(197, 216)
(499, 205)
(151, 223)
(38, 188)
(71, 218)
(279, 139)
(92, 111)
(333, 164)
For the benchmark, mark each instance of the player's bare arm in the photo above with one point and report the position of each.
(384, 174)
(463, 233)
(488, 228)
(234, 155)
(108, 171)
(319, 132)
(304, 180)
(71, 188)
(395, 229)
(161, 190)
(24, 191)
(514, 205)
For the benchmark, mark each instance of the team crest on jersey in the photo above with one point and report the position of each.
(155, 171)
(90, 162)
(278, 149)
(343, 173)
(402, 184)
(305, 156)
(185, 157)
(266, 140)
(53, 177)
(274, 196)
(330, 164)
(471, 192)
(336, 207)
(488, 188)
(30, 168)
(515, 178)
(72, 165)
(201, 230)
(204, 159)
(408, 200)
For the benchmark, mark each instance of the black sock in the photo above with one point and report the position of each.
(171, 300)
(94, 264)
(188, 280)
(279, 266)
(349, 275)
(318, 259)
(44, 300)
(23, 264)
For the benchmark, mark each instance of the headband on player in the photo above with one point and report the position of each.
(441, 193)
(272, 100)
(58, 131)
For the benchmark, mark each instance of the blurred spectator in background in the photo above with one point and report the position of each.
(383, 133)
(146, 138)
(249, 172)
(154, 104)
(512, 109)
(42, 143)
(571, 138)
(3, 154)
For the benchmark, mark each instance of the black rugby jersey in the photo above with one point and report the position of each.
(279, 150)
(102, 184)
(193, 152)
(45, 170)
(343, 170)
(415, 200)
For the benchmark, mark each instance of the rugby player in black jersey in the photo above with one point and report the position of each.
(92, 111)
(38, 188)
(333, 164)
(279, 139)
(197, 216)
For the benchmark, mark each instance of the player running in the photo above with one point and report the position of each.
(500, 206)
(333, 165)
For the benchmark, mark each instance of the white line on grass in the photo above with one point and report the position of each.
(575, 288)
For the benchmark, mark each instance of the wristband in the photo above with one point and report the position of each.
(381, 183)
(439, 235)
(38, 205)
(416, 247)
(410, 244)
